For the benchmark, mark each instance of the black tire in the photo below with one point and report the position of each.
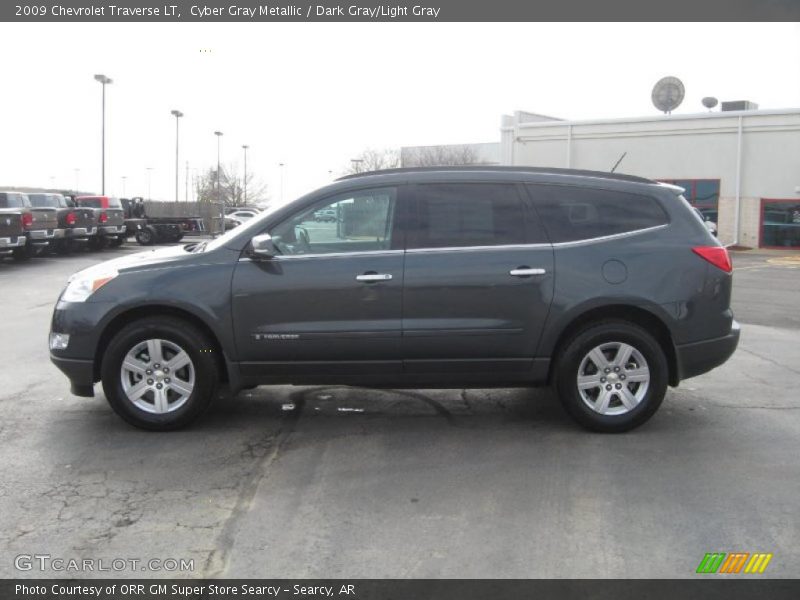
(145, 237)
(25, 252)
(572, 356)
(181, 334)
(97, 242)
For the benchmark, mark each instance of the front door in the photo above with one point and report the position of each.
(332, 296)
(478, 280)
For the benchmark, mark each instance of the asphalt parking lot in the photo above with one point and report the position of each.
(441, 484)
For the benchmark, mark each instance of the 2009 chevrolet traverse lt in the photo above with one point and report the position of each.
(607, 286)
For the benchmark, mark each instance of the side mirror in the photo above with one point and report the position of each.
(263, 246)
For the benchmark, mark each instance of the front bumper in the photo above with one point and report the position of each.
(13, 242)
(80, 373)
(700, 357)
(113, 230)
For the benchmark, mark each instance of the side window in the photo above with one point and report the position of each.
(467, 214)
(360, 221)
(571, 213)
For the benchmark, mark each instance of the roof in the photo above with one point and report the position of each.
(498, 169)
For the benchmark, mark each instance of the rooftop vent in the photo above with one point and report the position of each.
(738, 105)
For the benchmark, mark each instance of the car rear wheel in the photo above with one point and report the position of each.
(612, 376)
(160, 374)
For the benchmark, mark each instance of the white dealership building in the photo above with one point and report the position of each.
(740, 167)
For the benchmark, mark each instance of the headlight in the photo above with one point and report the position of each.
(82, 285)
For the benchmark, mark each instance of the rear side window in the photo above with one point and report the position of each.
(90, 202)
(571, 213)
(467, 214)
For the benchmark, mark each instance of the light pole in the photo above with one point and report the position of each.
(219, 190)
(77, 179)
(245, 147)
(177, 114)
(124, 177)
(149, 171)
(356, 162)
(281, 166)
(103, 80)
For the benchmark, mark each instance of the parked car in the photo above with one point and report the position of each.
(243, 215)
(325, 214)
(12, 232)
(40, 224)
(231, 222)
(79, 224)
(601, 284)
(709, 224)
(111, 228)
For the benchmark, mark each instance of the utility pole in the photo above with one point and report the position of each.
(245, 147)
(104, 81)
(177, 114)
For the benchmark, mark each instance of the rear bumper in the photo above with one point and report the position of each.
(81, 232)
(46, 235)
(79, 372)
(113, 230)
(700, 357)
(16, 241)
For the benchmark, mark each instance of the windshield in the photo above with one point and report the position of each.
(253, 226)
(46, 200)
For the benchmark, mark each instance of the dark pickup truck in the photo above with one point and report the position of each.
(40, 224)
(12, 232)
(111, 228)
(79, 224)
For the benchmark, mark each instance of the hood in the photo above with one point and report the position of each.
(140, 260)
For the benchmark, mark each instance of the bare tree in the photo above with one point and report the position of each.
(373, 159)
(231, 187)
(440, 156)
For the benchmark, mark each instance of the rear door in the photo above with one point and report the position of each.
(478, 279)
(332, 296)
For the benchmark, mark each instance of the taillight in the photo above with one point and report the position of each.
(27, 219)
(716, 255)
(71, 219)
(103, 217)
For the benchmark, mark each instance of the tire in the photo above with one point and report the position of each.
(116, 242)
(145, 237)
(186, 393)
(25, 252)
(97, 242)
(637, 386)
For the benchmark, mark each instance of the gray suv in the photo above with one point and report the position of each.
(606, 286)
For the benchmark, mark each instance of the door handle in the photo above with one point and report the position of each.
(374, 277)
(526, 272)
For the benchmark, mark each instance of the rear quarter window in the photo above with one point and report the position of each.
(572, 213)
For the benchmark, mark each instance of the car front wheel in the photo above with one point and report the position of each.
(160, 374)
(612, 376)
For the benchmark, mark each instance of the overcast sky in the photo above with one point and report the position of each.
(313, 95)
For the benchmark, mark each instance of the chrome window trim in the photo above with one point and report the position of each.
(606, 238)
(477, 248)
(283, 257)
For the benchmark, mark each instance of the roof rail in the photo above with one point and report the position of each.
(493, 168)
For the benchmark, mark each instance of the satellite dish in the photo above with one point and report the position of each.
(668, 94)
(709, 102)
